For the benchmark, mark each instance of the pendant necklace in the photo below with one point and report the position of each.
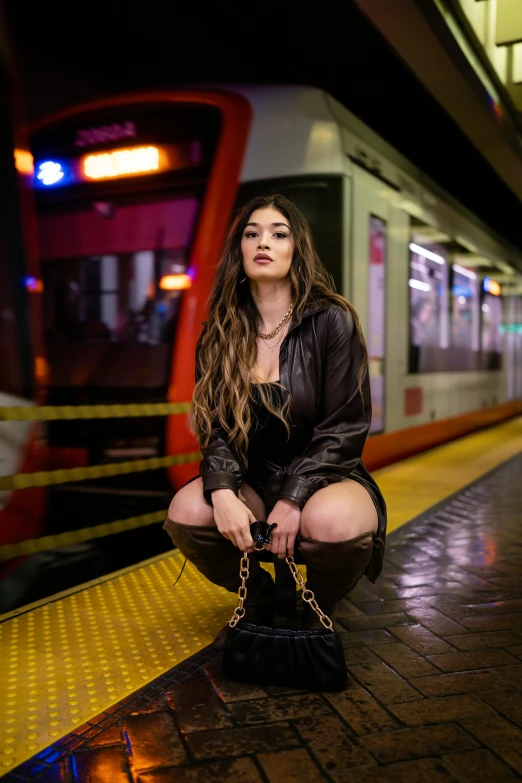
(277, 342)
(278, 327)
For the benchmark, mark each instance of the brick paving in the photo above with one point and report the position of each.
(434, 652)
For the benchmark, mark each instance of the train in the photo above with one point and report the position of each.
(133, 195)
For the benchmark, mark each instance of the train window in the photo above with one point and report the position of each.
(15, 347)
(110, 313)
(108, 323)
(428, 285)
(455, 322)
(376, 318)
(517, 338)
(465, 309)
(491, 331)
(320, 200)
(512, 329)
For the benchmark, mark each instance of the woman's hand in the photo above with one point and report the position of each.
(287, 515)
(233, 518)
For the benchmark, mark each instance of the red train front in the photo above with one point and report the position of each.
(132, 205)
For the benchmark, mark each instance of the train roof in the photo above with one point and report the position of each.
(300, 130)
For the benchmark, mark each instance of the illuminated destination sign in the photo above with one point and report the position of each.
(123, 163)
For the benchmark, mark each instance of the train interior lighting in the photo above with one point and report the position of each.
(425, 253)
(419, 285)
(463, 271)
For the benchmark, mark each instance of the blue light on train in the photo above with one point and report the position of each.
(50, 172)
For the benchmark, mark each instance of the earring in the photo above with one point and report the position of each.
(243, 280)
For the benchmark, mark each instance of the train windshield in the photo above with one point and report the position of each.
(110, 314)
(116, 232)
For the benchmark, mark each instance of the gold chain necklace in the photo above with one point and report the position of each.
(278, 327)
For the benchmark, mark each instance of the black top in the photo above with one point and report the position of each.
(268, 438)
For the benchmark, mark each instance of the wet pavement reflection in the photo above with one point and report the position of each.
(434, 652)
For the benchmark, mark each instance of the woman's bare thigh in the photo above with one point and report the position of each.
(189, 507)
(339, 512)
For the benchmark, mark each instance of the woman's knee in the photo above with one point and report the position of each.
(326, 524)
(189, 507)
(339, 512)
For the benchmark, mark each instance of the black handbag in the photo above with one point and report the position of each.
(310, 660)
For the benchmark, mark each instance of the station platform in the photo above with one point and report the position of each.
(116, 681)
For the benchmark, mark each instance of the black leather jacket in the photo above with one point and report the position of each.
(318, 363)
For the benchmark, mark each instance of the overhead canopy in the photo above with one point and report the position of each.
(435, 48)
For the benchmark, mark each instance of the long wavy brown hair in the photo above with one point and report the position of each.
(227, 350)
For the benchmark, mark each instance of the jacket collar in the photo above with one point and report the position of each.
(310, 310)
(315, 308)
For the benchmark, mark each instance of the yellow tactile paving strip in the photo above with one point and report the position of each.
(65, 660)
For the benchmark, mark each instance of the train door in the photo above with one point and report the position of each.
(512, 330)
(368, 279)
(515, 344)
(518, 362)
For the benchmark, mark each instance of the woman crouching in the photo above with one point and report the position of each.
(281, 410)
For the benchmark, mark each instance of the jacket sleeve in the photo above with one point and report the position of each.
(338, 438)
(219, 467)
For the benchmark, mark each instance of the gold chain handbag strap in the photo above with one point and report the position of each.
(308, 596)
(244, 573)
